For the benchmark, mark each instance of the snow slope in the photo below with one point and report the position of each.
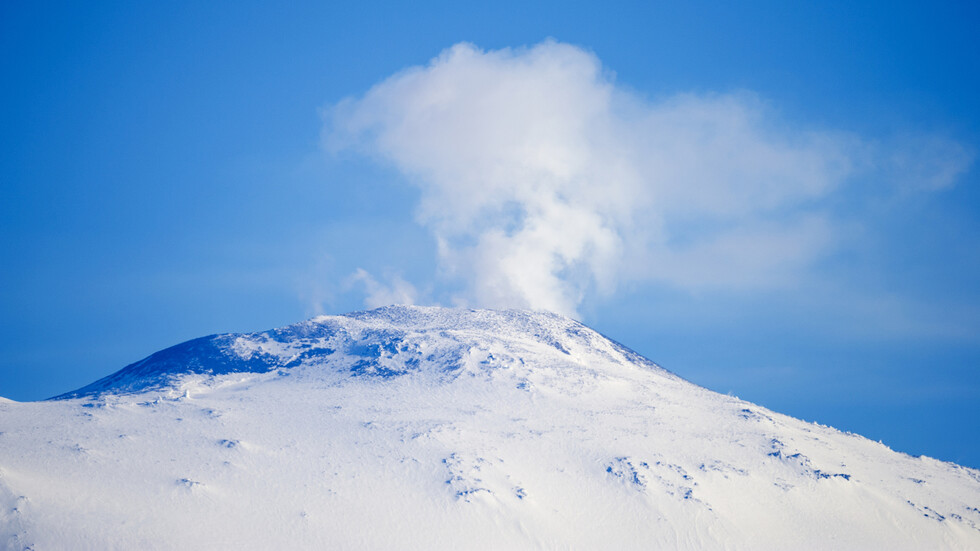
(430, 428)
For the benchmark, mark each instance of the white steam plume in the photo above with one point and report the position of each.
(542, 181)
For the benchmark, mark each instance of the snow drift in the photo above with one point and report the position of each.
(431, 428)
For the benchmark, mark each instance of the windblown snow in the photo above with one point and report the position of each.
(432, 428)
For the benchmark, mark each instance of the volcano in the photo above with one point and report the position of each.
(431, 428)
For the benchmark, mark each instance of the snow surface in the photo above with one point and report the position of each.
(430, 428)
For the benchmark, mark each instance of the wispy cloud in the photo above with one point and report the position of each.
(378, 293)
(543, 181)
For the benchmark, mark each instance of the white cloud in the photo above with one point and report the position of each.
(542, 181)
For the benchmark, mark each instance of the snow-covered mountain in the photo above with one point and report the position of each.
(431, 428)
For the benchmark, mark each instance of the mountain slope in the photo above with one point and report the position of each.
(428, 428)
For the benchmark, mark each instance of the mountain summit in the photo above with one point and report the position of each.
(433, 428)
(382, 343)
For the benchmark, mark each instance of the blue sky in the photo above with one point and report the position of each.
(181, 170)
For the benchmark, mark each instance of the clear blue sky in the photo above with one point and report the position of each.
(163, 177)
